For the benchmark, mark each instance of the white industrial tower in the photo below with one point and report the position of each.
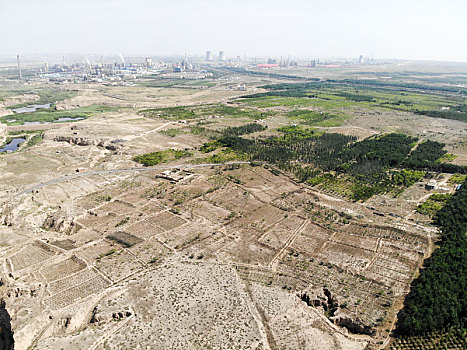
(19, 67)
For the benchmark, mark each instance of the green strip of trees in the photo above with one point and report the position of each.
(437, 298)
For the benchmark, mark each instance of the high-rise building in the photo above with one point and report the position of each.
(221, 56)
(208, 56)
(313, 64)
(148, 62)
(360, 59)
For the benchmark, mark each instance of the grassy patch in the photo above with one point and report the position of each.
(171, 113)
(22, 132)
(195, 112)
(34, 140)
(316, 118)
(154, 158)
(457, 179)
(448, 157)
(48, 96)
(433, 204)
(235, 112)
(50, 115)
(172, 132)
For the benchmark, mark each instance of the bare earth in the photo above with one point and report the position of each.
(213, 257)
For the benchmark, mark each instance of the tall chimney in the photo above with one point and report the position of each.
(19, 67)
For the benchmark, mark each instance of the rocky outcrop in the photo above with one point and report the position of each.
(8, 216)
(329, 303)
(7, 342)
(353, 324)
(61, 222)
(99, 315)
(83, 141)
(22, 292)
(321, 298)
(95, 317)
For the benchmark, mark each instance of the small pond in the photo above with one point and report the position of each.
(13, 145)
(31, 108)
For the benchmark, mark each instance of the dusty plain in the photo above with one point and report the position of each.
(99, 252)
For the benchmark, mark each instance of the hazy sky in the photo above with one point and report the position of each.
(408, 29)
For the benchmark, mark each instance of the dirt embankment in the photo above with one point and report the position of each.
(84, 141)
(7, 342)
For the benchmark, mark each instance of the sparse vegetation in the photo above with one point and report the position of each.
(154, 158)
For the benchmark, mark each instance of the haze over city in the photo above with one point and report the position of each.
(423, 30)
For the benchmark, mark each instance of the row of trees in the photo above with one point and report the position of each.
(445, 114)
(437, 297)
(357, 97)
(244, 129)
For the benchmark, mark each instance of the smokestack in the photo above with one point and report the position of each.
(19, 68)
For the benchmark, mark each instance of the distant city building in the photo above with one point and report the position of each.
(185, 65)
(272, 61)
(148, 62)
(221, 56)
(208, 56)
(360, 59)
(313, 64)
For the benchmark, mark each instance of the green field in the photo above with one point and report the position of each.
(46, 95)
(332, 97)
(51, 115)
(204, 111)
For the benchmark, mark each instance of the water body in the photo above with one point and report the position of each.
(30, 108)
(67, 119)
(13, 145)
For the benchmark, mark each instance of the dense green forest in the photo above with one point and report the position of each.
(244, 129)
(378, 164)
(437, 298)
(426, 157)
